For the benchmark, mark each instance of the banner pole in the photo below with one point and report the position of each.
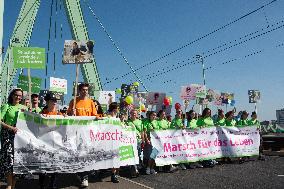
(30, 88)
(226, 108)
(255, 107)
(75, 90)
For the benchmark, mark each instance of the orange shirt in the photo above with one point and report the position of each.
(83, 107)
(45, 111)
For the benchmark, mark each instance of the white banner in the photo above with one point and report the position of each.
(71, 144)
(1, 30)
(176, 146)
(58, 85)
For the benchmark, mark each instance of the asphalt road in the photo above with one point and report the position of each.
(252, 174)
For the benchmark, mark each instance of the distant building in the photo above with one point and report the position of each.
(280, 117)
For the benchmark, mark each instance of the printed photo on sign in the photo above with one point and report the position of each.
(76, 52)
(140, 98)
(106, 97)
(226, 97)
(254, 96)
(128, 89)
(155, 98)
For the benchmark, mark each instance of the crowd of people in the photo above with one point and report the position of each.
(84, 106)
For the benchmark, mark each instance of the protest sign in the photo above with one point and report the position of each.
(139, 98)
(192, 91)
(106, 97)
(128, 89)
(176, 146)
(71, 144)
(254, 96)
(23, 83)
(227, 97)
(78, 52)
(155, 98)
(58, 85)
(29, 57)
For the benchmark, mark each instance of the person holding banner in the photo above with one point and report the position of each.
(149, 124)
(112, 112)
(136, 123)
(84, 106)
(254, 121)
(191, 124)
(49, 109)
(230, 121)
(9, 115)
(177, 123)
(221, 121)
(162, 122)
(191, 119)
(205, 120)
(244, 120)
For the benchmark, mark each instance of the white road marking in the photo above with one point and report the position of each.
(137, 183)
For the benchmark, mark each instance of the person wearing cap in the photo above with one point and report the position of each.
(35, 102)
(49, 109)
(51, 102)
(84, 106)
(244, 119)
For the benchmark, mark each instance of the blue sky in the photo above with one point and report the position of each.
(147, 30)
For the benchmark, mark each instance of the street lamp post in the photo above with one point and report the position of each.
(203, 68)
(203, 75)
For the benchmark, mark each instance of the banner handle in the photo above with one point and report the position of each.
(30, 88)
(75, 90)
